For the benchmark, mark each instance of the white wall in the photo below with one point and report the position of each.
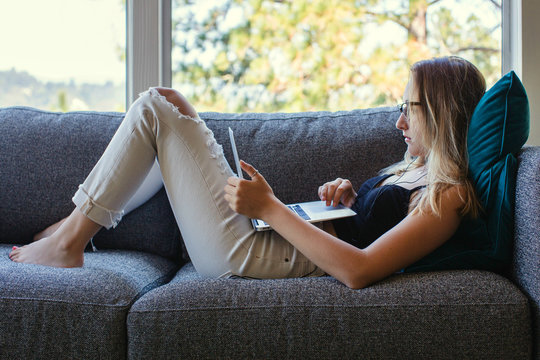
(531, 63)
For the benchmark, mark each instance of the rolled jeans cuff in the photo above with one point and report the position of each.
(95, 212)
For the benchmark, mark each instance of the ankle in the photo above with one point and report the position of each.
(67, 243)
(75, 233)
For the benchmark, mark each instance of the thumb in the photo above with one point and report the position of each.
(249, 169)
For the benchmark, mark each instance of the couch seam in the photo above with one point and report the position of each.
(9, 299)
(208, 115)
(87, 113)
(236, 308)
(305, 115)
(162, 280)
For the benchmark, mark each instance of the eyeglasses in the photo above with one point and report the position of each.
(404, 108)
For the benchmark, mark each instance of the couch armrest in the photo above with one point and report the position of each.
(526, 263)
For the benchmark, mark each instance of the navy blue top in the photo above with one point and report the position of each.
(378, 209)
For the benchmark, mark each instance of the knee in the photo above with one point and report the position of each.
(178, 100)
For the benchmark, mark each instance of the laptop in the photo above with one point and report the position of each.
(312, 211)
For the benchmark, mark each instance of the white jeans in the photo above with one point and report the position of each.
(220, 242)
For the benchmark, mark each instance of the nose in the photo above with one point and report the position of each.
(401, 123)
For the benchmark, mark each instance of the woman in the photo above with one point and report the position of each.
(212, 207)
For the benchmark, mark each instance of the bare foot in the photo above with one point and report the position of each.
(48, 251)
(49, 231)
(64, 248)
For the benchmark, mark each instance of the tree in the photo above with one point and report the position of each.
(445, 36)
(264, 55)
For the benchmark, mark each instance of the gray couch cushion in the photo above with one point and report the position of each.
(80, 313)
(46, 157)
(442, 315)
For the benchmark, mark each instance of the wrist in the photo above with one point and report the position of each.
(272, 210)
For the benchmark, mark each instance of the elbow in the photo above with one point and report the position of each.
(355, 283)
(362, 278)
(356, 274)
(356, 280)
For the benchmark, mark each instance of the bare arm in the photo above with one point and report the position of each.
(413, 238)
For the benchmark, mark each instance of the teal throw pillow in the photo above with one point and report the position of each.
(498, 129)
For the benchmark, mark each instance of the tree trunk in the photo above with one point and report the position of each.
(417, 15)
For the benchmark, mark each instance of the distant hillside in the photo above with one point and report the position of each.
(21, 88)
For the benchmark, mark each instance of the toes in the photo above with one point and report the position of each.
(14, 254)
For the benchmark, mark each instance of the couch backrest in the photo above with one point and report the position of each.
(44, 156)
(298, 152)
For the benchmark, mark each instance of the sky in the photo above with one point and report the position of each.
(60, 40)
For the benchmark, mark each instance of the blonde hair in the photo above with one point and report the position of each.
(449, 88)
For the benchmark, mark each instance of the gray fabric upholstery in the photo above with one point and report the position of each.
(526, 264)
(298, 152)
(114, 307)
(80, 313)
(422, 316)
(46, 157)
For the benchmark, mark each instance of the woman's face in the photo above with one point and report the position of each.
(409, 123)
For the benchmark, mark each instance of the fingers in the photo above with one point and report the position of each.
(248, 197)
(229, 199)
(230, 196)
(337, 196)
(333, 192)
(329, 195)
(341, 191)
(233, 189)
(324, 192)
(233, 181)
(230, 189)
(327, 191)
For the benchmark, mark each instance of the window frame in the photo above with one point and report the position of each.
(148, 49)
(148, 46)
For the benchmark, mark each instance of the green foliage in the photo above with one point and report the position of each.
(21, 88)
(62, 101)
(299, 55)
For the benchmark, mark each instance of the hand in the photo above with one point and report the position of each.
(252, 198)
(339, 190)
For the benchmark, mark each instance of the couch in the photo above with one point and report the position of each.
(139, 297)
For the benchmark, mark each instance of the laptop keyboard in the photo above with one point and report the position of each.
(298, 209)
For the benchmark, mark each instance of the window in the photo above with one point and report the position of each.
(26, 39)
(267, 55)
(63, 54)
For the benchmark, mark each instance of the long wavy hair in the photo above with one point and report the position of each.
(449, 88)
